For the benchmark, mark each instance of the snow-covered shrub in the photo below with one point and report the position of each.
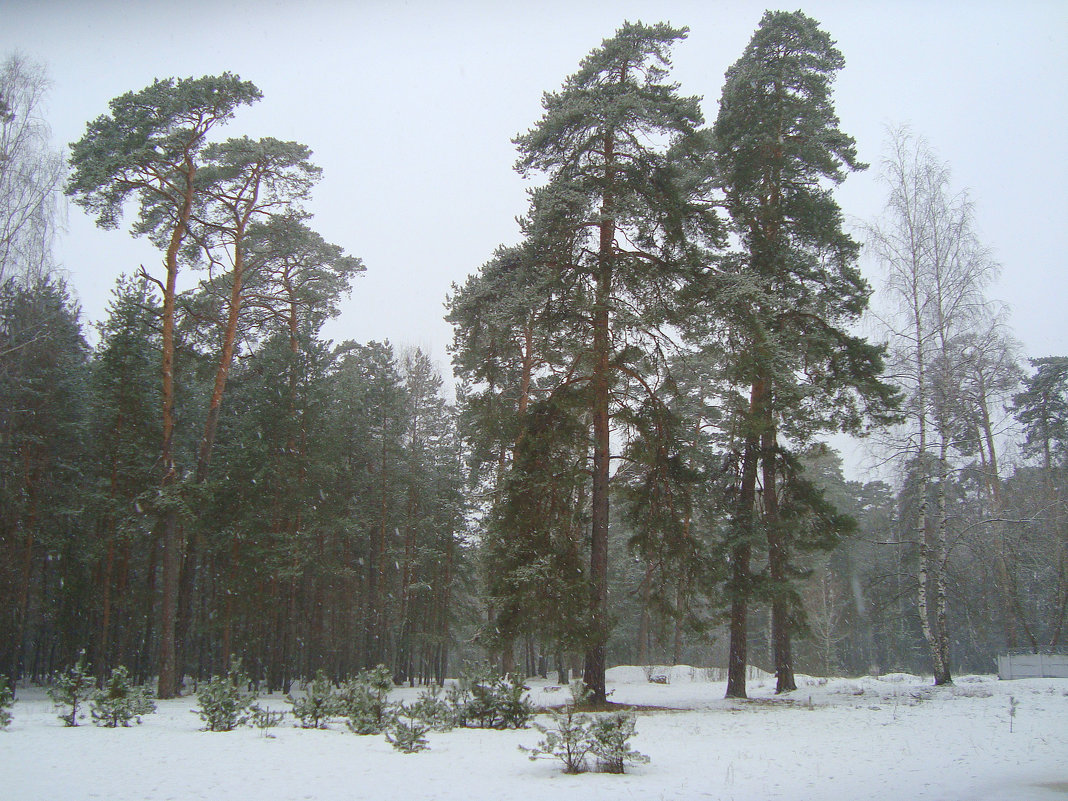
(433, 710)
(224, 705)
(568, 738)
(363, 700)
(317, 705)
(485, 700)
(120, 701)
(609, 741)
(71, 689)
(405, 731)
(7, 698)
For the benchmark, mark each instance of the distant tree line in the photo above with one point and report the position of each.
(635, 468)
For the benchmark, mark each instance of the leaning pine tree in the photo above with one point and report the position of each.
(787, 300)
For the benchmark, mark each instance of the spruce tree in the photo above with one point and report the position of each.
(509, 328)
(44, 372)
(125, 433)
(370, 409)
(1042, 409)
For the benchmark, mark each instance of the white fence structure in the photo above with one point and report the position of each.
(1033, 666)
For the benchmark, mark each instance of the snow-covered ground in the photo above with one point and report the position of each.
(895, 738)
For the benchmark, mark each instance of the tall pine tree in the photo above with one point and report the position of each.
(790, 295)
(617, 220)
(149, 147)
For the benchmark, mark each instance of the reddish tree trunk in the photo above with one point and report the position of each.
(173, 539)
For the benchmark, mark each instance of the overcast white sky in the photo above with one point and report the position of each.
(410, 107)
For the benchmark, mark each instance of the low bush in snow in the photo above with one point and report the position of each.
(567, 739)
(265, 719)
(432, 709)
(609, 737)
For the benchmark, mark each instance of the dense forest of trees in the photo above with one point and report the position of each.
(635, 467)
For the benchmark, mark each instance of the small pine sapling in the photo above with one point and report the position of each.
(7, 698)
(119, 701)
(567, 739)
(224, 705)
(513, 708)
(363, 701)
(486, 700)
(71, 689)
(457, 697)
(318, 704)
(433, 710)
(265, 719)
(609, 735)
(405, 731)
(1013, 703)
(473, 698)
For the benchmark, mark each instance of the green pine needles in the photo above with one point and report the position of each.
(266, 719)
(117, 703)
(567, 739)
(433, 709)
(609, 741)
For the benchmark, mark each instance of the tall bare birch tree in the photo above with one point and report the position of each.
(935, 273)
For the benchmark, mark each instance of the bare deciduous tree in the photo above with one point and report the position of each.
(31, 172)
(935, 273)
